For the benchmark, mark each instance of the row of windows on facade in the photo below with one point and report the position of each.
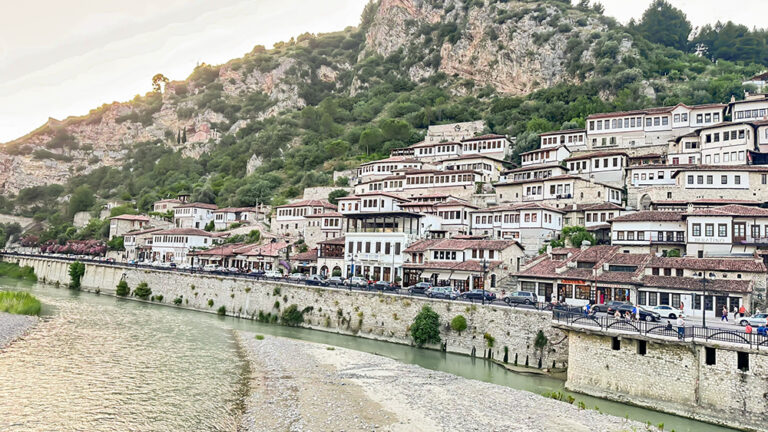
(544, 155)
(175, 239)
(437, 179)
(535, 174)
(476, 254)
(451, 215)
(632, 122)
(710, 179)
(650, 176)
(476, 146)
(365, 247)
(554, 140)
(299, 211)
(670, 236)
(386, 168)
(739, 230)
(188, 211)
(512, 218)
(727, 136)
(327, 223)
(593, 216)
(470, 166)
(746, 114)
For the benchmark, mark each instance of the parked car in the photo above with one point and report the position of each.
(667, 311)
(755, 320)
(383, 286)
(357, 281)
(610, 307)
(274, 274)
(257, 273)
(420, 288)
(477, 294)
(442, 293)
(314, 280)
(645, 314)
(210, 267)
(233, 269)
(335, 281)
(522, 297)
(297, 276)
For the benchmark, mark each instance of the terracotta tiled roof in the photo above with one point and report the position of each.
(129, 217)
(326, 214)
(236, 210)
(474, 156)
(310, 203)
(747, 168)
(536, 167)
(599, 206)
(186, 231)
(710, 264)
(731, 210)
(199, 205)
(402, 159)
(650, 216)
(310, 255)
(596, 154)
(470, 266)
(563, 132)
(269, 249)
(543, 149)
(333, 241)
(694, 284)
(223, 250)
(538, 180)
(599, 227)
(141, 232)
(460, 244)
(483, 137)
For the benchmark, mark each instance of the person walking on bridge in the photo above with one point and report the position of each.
(742, 311)
(724, 316)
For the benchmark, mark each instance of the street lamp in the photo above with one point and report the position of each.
(485, 271)
(704, 282)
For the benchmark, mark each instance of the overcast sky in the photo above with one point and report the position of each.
(61, 58)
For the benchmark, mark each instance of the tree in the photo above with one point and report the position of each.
(664, 24)
(76, 272)
(184, 136)
(371, 139)
(116, 244)
(122, 288)
(334, 196)
(158, 82)
(210, 226)
(178, 137)
(426, 327)
(142, 291)
(459, 323)
(82, 199)
(258, 192)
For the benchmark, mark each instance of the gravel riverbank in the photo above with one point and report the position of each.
(303, 386)
(13, 326)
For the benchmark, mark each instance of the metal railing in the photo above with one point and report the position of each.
(663, 330)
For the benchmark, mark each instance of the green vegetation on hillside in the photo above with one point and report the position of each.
(20, 303)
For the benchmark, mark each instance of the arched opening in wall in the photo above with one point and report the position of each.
(493, 281)
(336, 271)
(645, 202)
(324, 270)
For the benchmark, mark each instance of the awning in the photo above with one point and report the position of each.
(459, 276)
(444, 276)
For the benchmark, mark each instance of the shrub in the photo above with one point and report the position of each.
(259, 337)
(489, 340)
(541, 340)
(426, 327)
(159, 297)
(221, 310)
(292, 316)
(177, 301)
(21, 303)
(142, 291)
(122, 289)
(76, 272)
(210, 302)
(14, 271)
(459, 323)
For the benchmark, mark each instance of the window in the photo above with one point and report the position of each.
(722, 230)
(709, 179)
(724, 179)
(656, 121)
(648, 122)
(737, 179)
(615, 343)
(641, 347)
(709, 230)
(699, 118)
(742, 361)
(710, 356)
(690, 179)
(677, 118)
(700, 179)
(665, 121)
(696, 230)
(641, 300)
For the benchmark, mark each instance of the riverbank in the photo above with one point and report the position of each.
(306, 386)
(13, 327)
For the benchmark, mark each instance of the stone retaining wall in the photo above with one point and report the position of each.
(364, 314)
(672, 377)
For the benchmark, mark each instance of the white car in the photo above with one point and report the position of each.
(273, 274)
(755, 320)
(667, 311)
(297, 276)
(210, 267)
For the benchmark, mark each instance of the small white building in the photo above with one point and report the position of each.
(193, 215)
(652, 231)
(174, 245)
(223, 218)
(726, 231)
(119, 225)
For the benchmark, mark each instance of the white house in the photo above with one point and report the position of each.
(290, 219)
(174, 245)
(530, 224)
(193, 215)
(603, 166)
(651, 231)
(119, 225)
(223, 218)
(727, 230)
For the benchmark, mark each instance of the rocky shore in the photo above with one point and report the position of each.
(14, 326)
(302, 386)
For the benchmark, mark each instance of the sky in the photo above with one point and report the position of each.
(61, 58)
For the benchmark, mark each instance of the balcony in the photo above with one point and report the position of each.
(668, 238)
(750, 240)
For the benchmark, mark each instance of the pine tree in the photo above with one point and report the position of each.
(178, 137)
(184, 137)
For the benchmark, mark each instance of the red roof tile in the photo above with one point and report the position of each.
(710, 264)
(650, 216)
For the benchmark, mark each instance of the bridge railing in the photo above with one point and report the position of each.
(687, 333)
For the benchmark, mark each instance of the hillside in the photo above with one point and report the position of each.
(262, 127)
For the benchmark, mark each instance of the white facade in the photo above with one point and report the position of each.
(173, 245)
(194, 215)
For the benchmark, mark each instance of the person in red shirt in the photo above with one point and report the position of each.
(742, 311)
(748, 329)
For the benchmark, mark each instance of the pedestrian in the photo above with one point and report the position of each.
(742, 311)
(748, 329)
(635, 313)
(724, 316)
(586, 310)
(617, 314)
(680, 327)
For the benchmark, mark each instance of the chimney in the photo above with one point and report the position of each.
(549, 250)
(585, 245)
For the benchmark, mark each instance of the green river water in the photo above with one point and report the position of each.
(99, 363)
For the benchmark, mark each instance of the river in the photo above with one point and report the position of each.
(100, 363)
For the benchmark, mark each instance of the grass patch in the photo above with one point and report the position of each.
(330, 348)
(259, 337)
(20, 303)
(14, 271)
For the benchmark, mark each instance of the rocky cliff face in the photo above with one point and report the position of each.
(515, 47)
